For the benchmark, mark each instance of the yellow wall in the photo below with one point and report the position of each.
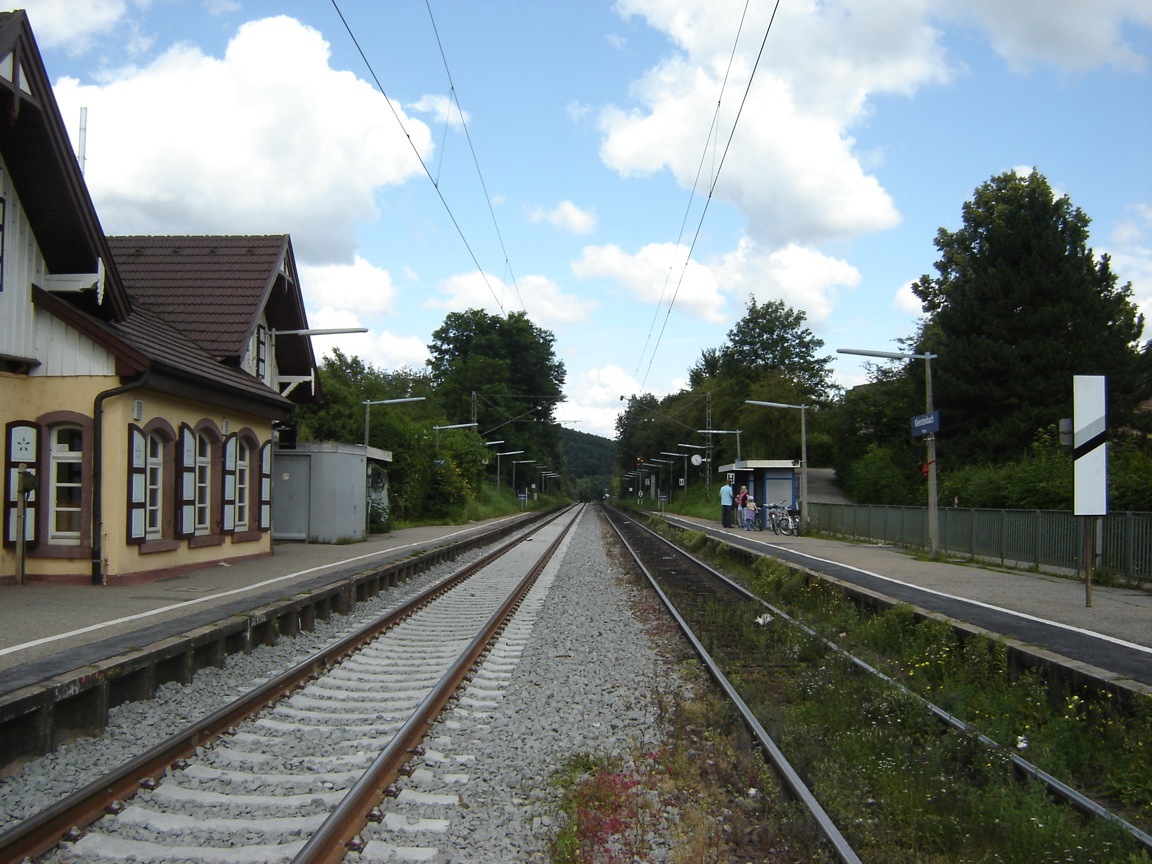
(23, 398)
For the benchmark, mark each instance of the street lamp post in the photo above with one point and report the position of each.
(929, 439)
(498, 455)
(735, 432)
(683, 456)
(803, 450)
(369, 403)
(453, 426)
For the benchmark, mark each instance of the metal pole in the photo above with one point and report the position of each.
(21, 514)
(803, 466)
(933, 506)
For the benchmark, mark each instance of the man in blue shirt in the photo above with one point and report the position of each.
(726, 505)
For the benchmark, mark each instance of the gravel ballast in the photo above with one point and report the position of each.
(575, 674)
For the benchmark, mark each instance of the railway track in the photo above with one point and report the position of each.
(674, 573)
(293, 771)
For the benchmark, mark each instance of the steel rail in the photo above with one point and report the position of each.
(339, 833)
(72, 814)
(1054, 785)
(840, 846)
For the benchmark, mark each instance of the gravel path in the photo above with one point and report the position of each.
(575, 675)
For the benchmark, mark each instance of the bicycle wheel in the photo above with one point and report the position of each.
(787, 525)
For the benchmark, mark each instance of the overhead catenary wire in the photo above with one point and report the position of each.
(712, 188)
(472, 149)
(695, 185)
(420, 159)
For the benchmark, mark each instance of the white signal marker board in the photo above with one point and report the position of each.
(1089, 447)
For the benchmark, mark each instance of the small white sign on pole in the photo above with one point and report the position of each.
(1089, 450)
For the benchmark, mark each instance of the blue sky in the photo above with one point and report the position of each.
(568, 188)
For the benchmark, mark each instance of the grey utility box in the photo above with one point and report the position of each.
(320, 491)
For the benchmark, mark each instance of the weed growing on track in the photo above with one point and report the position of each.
(706, 797)
(902, 787)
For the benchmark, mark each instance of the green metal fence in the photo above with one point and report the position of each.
(1050, 539)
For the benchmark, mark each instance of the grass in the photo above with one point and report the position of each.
(899, 785)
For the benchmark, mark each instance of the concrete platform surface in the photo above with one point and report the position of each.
(39, 621)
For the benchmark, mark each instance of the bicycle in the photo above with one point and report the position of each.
(783, 519)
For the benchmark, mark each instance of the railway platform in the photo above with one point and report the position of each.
(47, 630)
(1109, 640)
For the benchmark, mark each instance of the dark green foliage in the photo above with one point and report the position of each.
(587, 455)
(770, 356)
(502, 372)
(589, 460)
(885, 475)
(770, 340)
(1020, 305)
(437, 474)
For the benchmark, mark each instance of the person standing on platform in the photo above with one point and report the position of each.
(726, 505)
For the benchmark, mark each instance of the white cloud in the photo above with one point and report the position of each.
(906, 301)
(656, 274)
(359, 287)
(801, 276)
(68, 24)
(1131, 249)
(1069, 35)
(545, 303)
(442, 109)
(593, 399)
(566, 216)
(249, 158)
(791, 167)
(379, 348)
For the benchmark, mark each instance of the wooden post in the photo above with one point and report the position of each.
(1089, 558)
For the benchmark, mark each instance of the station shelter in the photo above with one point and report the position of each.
(769, 480)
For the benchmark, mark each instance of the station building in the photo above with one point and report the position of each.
(142, 379)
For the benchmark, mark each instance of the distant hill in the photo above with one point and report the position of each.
(587, 455)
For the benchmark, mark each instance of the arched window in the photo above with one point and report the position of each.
(203, 484)
(65, 484)
(243, 484)
(154, 487)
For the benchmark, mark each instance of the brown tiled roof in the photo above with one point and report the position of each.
(146, 341)
(211, 288)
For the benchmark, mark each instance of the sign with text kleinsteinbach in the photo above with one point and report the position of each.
(926, 424)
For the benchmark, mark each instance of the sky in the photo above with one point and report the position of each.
(629, 174)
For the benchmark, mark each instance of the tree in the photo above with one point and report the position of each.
(770, 341)
(506, 369)
(1019, 306)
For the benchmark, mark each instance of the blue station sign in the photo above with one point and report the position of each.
(926, 424)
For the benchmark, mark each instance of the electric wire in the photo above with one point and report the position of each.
(695, 185)
(475, 160)
(415, 150)
(712, 188)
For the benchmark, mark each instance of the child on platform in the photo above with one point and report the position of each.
(750, 514)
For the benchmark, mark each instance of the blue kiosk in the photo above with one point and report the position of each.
(769, 480)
